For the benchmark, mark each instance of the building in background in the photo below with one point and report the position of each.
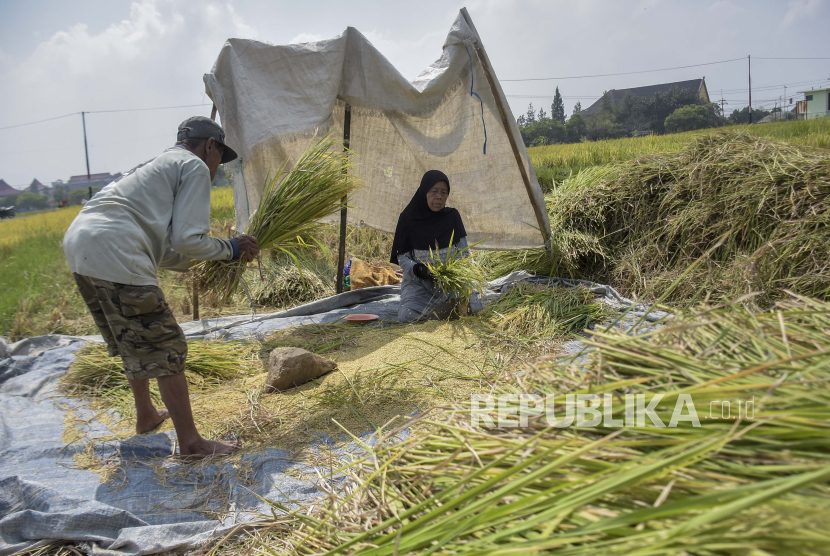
(801, 109)
(38, 188)
(82, 182)
(818, 103)
(616, 95)
(7, 190)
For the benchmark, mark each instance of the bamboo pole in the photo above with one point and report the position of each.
(541, 217)
(341, 251)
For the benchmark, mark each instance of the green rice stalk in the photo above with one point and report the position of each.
(456, 274)
(293, 203)
(542, 312)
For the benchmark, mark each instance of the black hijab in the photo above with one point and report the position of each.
(419, 227)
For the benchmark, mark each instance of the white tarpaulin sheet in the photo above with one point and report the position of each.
(272, 99)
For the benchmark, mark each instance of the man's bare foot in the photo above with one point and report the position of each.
(147, 425)
(205, 448)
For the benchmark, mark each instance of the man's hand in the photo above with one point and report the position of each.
(248, 247)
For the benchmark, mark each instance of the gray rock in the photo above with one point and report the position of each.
(290, 367)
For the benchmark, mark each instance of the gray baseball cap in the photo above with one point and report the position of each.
(200, 127)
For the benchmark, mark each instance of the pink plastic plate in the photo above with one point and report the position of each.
(361, 317)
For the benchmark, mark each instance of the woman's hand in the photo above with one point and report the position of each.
(421, 271)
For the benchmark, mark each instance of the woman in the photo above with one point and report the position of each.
(427, 223)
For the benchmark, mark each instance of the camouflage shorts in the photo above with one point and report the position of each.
(138, 325)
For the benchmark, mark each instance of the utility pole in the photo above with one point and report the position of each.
(722, 113)
(86, 148)
(749, 73)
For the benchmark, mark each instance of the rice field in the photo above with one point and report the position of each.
(562, 161)
(33, 273)
(52, 223)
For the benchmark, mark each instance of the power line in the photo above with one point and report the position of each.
(625, 72)
(551, 96)
(104, 112)
(145, 109)
(40, 121)
(763, 87)
(812, 58)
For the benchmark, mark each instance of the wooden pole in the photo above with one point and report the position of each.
(488, 73)
(195, 285)
(195, 300)
(749, 76)
(86, 150)
(341, 251)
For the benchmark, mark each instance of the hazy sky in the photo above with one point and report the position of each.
(63, 56)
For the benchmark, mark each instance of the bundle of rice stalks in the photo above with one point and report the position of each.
(639, 224)
(456, 273)
(290, 211)
(542, 312)
(754, 483)
(100, 379)
(284, 284)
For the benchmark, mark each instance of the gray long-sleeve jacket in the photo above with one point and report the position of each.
(419, 297)
(157, 215)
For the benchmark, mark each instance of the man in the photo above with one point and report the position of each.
(157, 215)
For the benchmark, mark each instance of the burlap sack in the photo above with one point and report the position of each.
(364, 275)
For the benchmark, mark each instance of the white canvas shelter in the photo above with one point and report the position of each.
(453, 117)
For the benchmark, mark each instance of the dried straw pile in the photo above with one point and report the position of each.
(750, 485)
(640, 224)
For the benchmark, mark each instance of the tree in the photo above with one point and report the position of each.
(742, 116)
(521, 120)
(530, 118)
(687, 118)
(542, 115)
(31, 201)
(575, 129)
(544, 132)
(59, 194)
(603, 126)
(634, 113)
(577, 108)
(605, 103)
(557, 109)
(78, 196)
(9, 200)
